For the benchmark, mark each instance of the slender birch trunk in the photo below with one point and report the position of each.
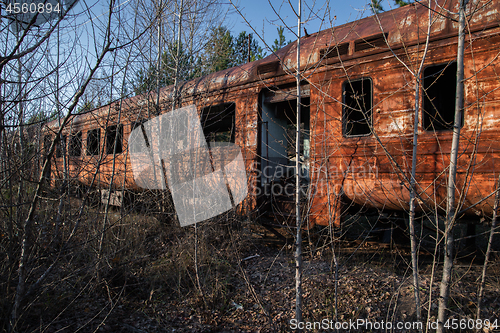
(413, 238)
(158, 61)
(444, 292)
(178, 53)
(488, 249)
(298, 248)
(413, 189)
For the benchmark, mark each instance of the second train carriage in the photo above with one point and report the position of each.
(358, 104)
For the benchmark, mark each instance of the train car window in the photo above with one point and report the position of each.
(267, 68)
(114, 134)
(439, 93)
(219, 122)
(75, 144)
(334, 52)
(372, 42)
(357, 107)
(61, 147)
(93, 142)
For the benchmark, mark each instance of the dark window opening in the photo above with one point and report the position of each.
(114, 135)
(75, 145)
(61, 147)
(335, 51)
(219, 122)
(47, 141)
(439, 93)
(93, 142)
(268, 68)
(372, 42)
(357, 108)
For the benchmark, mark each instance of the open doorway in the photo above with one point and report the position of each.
(277, 144)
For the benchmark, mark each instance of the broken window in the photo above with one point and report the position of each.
(114, 136)
(439, 85)
(47, 141)
(75, 145)
(357, 107)
(218, 122)
(93, 142)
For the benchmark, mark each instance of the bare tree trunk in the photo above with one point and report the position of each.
(20, 188)
(413, 194)
(59, 116)
(113, 167)
(488, 249)
(413, 239)
(298, 248)
(158, 64)
(178, 53)
(444, 292)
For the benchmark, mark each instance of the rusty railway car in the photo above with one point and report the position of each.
(358, 106)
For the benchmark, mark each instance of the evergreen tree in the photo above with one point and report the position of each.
(402, 3)
(376, 5)
(148, 78)
(246, 49)
(219, 52)
(280, 42)
(87, 105)
(222, 51)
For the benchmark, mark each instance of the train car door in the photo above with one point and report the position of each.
(277, 145)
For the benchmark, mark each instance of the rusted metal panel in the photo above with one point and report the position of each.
(393, 117)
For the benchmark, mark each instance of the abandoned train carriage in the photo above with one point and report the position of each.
(358, 106)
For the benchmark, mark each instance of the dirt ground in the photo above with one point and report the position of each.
(257, 294)
(150, 277)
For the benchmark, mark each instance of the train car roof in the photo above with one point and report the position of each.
(395, 29)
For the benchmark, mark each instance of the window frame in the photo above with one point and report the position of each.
(369, 124)
(61, 147)
(213, 134)
(95, 151)
(73, 144)
(428, 123)
(110, 139)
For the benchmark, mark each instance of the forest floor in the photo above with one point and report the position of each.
(153, 280)
(256, 293)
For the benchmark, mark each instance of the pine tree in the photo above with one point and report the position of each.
(280, 41)
(219, 52)
(147, 78)
(376, 5)
(246, 49)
